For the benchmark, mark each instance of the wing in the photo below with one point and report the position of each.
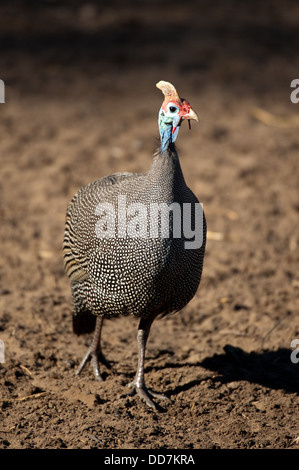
(74, 264)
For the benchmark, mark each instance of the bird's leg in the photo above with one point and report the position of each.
(138, 383)
(94, 352)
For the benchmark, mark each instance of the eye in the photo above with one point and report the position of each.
(172, 108)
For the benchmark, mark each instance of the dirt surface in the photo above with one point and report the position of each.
(81, 103)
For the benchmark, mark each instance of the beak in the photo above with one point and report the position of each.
(191, 115)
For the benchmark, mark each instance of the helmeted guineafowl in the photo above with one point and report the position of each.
(134, 244)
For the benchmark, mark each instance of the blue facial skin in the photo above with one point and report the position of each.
(168, 121)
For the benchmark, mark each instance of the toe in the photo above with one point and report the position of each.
(146, 394)
(160, 396)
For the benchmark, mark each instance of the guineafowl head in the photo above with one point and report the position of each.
(172, 112)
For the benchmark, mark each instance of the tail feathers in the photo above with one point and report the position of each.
(84, 322)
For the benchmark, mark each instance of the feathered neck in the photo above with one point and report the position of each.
(165, 177)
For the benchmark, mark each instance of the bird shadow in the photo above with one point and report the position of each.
(272, 369)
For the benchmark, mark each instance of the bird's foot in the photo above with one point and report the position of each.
(146, 394)
(95, 359)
